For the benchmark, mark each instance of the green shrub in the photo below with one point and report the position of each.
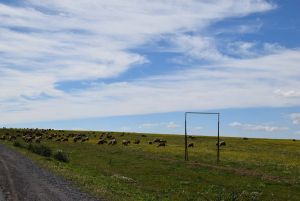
(40, 149)
(18, 144)
(61, 156)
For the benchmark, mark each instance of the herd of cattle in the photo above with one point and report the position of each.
(38, 135)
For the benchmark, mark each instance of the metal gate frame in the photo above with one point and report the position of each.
(185, 132)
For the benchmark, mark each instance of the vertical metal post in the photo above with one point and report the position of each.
(218, 154)
(185, 132)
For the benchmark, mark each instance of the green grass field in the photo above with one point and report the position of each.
(253, 169)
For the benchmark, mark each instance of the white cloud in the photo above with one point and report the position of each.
(149, 125)
(295, 117)
(287, 93)
(172, 125)
(86, 40)
(169, 125)
(252, 27)
(198, 128)
(235, 124)
(257, 127)
(238, 83)
(273, 48)
(196, 47)
(241, 48)
(79, 129)
(126, 129)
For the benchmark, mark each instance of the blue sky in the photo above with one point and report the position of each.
(138, 65)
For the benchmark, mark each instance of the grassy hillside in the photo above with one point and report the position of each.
(253, 169)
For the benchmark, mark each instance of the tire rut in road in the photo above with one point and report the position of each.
(11, 194)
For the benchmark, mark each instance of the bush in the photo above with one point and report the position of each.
(61, 156)
(18, 144)
(40, 149)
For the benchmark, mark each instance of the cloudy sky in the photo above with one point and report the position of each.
(137, 65)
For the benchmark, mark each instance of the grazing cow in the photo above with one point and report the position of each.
(28, 139)
(221, 143)
(109, 136)
(161, 144)
(294, 140)
(245, 138)
(38, 138)
(143, 135)
(150, 142)
(137, 141)
(191, 145)
(11, 138)
(125, 142)
(156, 140)
(112, 142)
(85, 139)
(102, 141)
(77, 138)
(66, 140)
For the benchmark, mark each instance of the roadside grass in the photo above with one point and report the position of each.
(40, 149)
(253, 169)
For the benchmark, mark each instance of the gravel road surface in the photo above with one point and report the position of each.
(23, 180)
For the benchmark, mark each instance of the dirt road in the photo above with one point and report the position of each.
(23, 180)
